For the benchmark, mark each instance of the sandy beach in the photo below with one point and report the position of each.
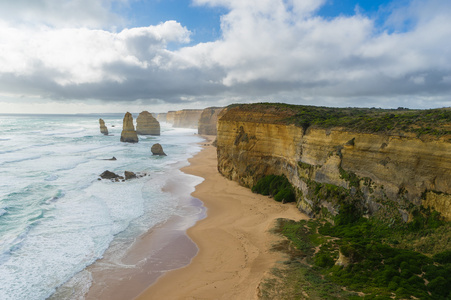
(234, 240)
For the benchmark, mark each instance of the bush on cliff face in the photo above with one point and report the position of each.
(276, 186)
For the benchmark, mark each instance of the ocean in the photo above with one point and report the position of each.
(57, 217)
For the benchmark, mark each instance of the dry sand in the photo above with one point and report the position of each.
(234, 239)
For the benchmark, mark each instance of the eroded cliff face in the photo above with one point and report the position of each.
(389, 174)
(208, 120)
(161, 117)
(170, 116)
(187, 118)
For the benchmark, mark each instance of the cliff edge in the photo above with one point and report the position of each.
(385, 162)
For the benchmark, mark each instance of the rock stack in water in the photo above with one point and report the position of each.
(128, 134)
(103, 128)
(146, 124)
(157, 149)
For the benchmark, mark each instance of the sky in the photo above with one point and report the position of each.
(85, 56)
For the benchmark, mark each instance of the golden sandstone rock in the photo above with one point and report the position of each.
(146, 124)
(187, 118)
(400, 169)
(103, 128)
(170, 116)
(128, 134)
(208, 120)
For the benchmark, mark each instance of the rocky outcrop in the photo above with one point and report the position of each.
(157, 149)
(187, 118)
(110, 175)
(129, 175)
(146, 124)
(208, 120)
(103, 128)
(128, 134)
(389, 173)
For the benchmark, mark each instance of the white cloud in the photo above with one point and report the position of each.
(80, 55)
(61, 13)
(269, 50)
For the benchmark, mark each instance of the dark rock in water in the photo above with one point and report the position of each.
(110, 175)
(113, 158)
(129, 175)
(157, 149)
(141, 174)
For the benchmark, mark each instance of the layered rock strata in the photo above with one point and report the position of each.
(103, 128)
(146, 124)
(208, 120)
(128, 134)
(387, 173)
(170, 116)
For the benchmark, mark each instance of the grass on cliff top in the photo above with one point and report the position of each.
(383, 260)
(436, 122)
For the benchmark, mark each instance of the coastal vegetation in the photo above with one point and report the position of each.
(363, 175)
(275, 186)
(435, 122)
(363, 258)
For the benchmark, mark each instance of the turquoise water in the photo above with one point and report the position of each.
(56, 217)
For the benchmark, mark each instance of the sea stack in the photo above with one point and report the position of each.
(128, 134)
(146, 124)
(157, 149)
(103, 128)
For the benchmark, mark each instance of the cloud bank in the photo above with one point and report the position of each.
(270, 50)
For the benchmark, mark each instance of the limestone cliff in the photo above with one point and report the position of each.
(128, 134)
(208, 120)
(103, 128)
(170, 116)
(388, 171)
(146, 124)
(187, 118)
(161, 117)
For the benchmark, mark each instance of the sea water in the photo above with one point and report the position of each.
(56, 216)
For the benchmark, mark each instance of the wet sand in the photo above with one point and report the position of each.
(234, 240)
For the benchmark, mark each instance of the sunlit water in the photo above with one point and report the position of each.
(56, 217)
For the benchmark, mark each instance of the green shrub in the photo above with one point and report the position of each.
(277, 186)
(439, 286)
(443, 257)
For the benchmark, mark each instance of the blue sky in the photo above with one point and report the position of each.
(204, 21)
(66, 56)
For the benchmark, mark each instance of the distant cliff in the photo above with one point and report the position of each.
(208, 120)
(384, 161)
(161, 117)
(170, 116)
(187, 118)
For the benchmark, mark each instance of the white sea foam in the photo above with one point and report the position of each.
(56, 218)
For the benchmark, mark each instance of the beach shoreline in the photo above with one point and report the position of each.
(234, 240)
